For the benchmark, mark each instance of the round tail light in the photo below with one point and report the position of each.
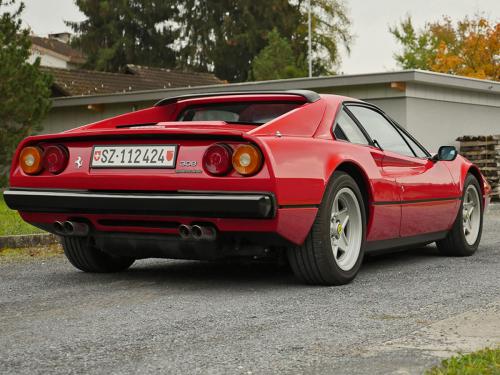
(247, 160)
(55, 159)
(30, 160)
(217, 159)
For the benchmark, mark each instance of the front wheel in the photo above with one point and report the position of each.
(463, 239)
(82, 254)
(333, 251)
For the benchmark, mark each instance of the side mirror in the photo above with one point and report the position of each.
(446, 153)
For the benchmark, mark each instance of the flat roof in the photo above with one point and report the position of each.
(314, 83)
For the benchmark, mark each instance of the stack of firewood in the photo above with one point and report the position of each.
(484, 151)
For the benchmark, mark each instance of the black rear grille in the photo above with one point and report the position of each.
(139, 223)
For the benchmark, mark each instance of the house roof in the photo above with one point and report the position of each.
(78, 82)
(63, 50)
(454, 83)
(173, 78)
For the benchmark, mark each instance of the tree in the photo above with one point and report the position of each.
(277, 61)
(224, 36)
(219, 36)
(120, 32)
(471, 48)
(418, 47)
(330, 31)
(24, 90)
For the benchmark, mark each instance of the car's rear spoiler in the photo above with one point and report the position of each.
(309, 96)
(137, 133)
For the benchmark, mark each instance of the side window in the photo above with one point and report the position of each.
(381, 130)
(416, 148)
(346, 129)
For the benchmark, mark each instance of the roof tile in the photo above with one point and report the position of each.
(75, 56)
(76, 82)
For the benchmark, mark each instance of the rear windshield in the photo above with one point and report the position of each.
(237, 113)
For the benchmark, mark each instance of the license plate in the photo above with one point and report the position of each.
(140, 156)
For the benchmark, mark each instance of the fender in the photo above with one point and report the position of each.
(460, 167)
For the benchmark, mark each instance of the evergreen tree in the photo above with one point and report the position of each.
(277, 61)
(24, 90)
(219, 36)
(224, 36)
(120, 32)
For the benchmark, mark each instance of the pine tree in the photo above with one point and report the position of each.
(24, 90)
(224, 36)
(277, 61)
(120, 32)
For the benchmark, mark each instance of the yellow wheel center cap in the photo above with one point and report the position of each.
(339, 228)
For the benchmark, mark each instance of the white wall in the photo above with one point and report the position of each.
(48, 60)
(436, 123)
(65, 118)
(434, 115)
(394, 107)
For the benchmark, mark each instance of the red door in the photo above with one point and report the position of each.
(429, 197)
(385, 220)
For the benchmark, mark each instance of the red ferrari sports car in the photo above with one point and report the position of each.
(320, 179)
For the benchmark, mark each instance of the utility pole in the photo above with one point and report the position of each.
(309, 26)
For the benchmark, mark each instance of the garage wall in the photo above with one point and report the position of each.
(434, 113)
(65, 118)
(436, 123)
(394, 107)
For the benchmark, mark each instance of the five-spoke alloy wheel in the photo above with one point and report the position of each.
(471, 214)
(333, 251)
(463, 239)
(346, 228)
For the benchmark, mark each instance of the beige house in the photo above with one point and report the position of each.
(55, 52)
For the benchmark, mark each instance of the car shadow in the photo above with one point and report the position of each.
(230, 274)
(401, 255)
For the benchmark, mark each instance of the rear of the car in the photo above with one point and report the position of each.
(190, 178)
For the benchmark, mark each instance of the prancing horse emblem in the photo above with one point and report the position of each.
(78, 162)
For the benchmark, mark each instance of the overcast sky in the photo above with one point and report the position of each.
(371, 51)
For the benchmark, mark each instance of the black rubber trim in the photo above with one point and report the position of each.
(310, 96)
(416, 201)
(300, 206)
(257, 205)
(405, 241)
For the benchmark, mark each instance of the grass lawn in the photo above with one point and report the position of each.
(41, 252)
(484, 362)
(11, 223)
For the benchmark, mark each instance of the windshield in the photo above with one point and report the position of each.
(239, 113)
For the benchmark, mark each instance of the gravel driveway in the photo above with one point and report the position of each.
(192, 317)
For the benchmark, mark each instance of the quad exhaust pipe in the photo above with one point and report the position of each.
(59, 227)
(197, 232)
(186, 232)
(203, 232)
(71, 228)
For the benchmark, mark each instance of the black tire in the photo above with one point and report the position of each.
(455, 243)
(314, 262)
(83, 255)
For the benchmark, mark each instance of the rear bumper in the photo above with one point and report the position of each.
(220, 205)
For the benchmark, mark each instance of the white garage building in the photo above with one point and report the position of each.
(436, 108)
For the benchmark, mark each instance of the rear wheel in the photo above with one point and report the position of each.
(463, 239)
(333, 251)
(82, 254)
